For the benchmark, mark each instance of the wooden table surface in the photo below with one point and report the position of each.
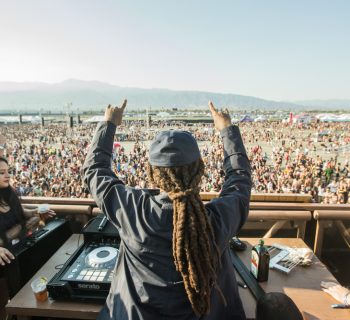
(302, 285)
(25, 304)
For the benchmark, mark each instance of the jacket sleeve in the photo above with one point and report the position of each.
(133, 211)
(105, 187)
(98, 173)
(229, 211)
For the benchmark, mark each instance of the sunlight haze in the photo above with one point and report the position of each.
(281, 50)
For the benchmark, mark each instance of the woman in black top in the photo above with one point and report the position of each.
(11, 213)
(15, 222)
(14, 219)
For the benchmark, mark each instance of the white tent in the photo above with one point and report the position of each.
(331, 117)
(15, 119)
(260, 118)
(94, 119)
(163, 114)
(9, 119)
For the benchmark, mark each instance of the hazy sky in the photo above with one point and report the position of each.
(274, 49)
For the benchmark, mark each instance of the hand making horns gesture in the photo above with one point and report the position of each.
(115, 114)
(221, 119)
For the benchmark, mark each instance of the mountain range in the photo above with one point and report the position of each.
(92, 95)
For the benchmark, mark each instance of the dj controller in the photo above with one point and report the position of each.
(93, 264)
(87, 275)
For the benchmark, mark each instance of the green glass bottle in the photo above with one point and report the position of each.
(260, 260)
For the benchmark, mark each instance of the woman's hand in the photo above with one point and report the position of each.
(115, 114)
(337, 291)
(47, 215)
(221, 119)
(5, 256)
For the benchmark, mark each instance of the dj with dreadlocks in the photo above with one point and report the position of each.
(174, 260)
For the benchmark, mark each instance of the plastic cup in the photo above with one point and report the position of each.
(39, 289)
(43, 208)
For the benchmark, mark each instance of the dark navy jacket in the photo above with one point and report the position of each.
(146, 284)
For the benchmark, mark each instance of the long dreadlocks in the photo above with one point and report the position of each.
(196, 255)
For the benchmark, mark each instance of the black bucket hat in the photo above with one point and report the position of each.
(173, 149)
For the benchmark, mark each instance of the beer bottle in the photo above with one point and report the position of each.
(260, 260)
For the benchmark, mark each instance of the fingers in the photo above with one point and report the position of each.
(212, 108)
(327, 284)
(215, 111)
(327, 291)
(49, 214)
(5, 257)
(124, 104)
(334, 288)
(10, 255)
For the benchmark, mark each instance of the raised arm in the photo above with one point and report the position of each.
(98, 174)
(230, 210)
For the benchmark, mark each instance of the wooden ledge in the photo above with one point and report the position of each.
(256, 215)
(331, 215)
(96, 211)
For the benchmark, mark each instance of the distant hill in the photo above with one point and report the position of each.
(327, 104)
(88, 95)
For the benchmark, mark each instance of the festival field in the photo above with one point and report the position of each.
(301, 158)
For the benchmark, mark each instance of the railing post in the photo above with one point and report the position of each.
(301, 229)
(320, 225)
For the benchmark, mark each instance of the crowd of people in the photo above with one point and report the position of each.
(53, 161)
(307, 159)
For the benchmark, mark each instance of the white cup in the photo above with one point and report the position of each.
(39, 289)
(43, 208)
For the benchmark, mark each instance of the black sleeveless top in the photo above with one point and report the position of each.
(8, 220)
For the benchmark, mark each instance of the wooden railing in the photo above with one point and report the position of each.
(275, 209)
(272, 202)
(206, 196)
(263, 197)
